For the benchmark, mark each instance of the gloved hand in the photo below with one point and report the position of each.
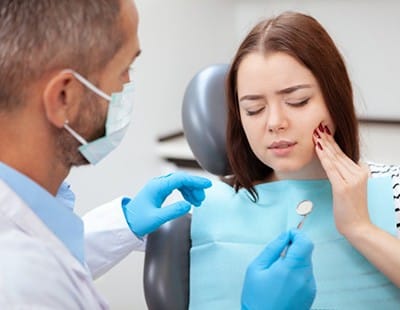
(275, 282)
(144, 213)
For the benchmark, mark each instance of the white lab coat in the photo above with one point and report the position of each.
(38, 272)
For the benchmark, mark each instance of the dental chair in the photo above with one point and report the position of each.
(167, 258)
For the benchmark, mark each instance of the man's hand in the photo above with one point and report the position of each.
(144, 213)
(275, 282)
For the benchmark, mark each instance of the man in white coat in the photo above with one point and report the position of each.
(65, 100)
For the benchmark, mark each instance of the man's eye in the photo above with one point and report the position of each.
(298, 103)
(254, 112)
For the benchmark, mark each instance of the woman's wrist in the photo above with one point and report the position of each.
(359, 232)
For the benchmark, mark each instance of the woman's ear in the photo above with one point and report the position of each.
(61, 98)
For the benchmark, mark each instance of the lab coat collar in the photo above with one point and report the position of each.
(58, 217)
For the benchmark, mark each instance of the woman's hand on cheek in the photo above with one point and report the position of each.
(349, 184)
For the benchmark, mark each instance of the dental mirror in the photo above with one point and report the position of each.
(304, 208)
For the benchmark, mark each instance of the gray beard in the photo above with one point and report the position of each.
(68, 152)
(89, 124)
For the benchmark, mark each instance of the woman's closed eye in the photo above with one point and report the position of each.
(251, 112)
(297, 103)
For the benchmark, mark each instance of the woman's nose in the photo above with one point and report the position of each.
(276, 119)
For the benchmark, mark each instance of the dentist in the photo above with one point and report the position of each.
(65, 100)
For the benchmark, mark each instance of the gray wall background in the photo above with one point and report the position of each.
(180, 37)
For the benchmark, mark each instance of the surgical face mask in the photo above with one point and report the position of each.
(118, 118)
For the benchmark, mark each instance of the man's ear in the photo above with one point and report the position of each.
(61, 98)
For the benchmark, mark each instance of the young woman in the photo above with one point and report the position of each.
(292, 135)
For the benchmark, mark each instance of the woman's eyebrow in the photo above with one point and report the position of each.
(292, 89)
(284, 91)
(251, 97)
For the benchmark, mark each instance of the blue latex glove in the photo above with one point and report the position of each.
(275, 282)
(144, 213)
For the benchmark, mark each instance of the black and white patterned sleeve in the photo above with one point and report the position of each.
(379, 170)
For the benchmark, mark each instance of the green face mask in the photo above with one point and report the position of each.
(118, 119)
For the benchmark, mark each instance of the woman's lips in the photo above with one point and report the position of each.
(281, 148)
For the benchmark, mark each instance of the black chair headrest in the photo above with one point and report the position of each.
(204, 117)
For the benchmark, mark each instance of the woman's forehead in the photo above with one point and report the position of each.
(275, 71)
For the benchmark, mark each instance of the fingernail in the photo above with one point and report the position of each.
(317, 134)
(321, 128)
(319, 146)
(327, 130)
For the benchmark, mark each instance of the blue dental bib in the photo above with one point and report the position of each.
(229, 230)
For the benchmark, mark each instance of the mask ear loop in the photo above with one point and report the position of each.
(94, 89)
(89, 85)
(74, 133)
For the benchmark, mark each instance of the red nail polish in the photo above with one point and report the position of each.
(317, 134)
(327, 130)
(319, 146)
(321, 128)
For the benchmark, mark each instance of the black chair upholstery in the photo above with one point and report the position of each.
(204, 117)
(166, 267)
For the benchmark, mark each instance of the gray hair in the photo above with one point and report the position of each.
(39, 36)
